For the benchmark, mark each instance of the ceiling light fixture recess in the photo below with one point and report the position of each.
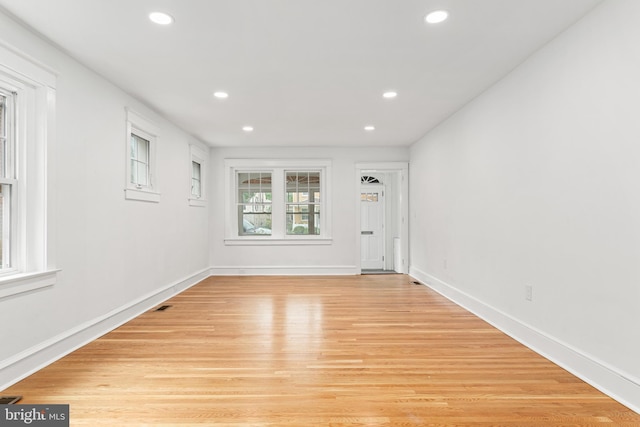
(161, 18)
(247, 128)
(390, 94)
(436, 16)
(369, 128)
(221, 95)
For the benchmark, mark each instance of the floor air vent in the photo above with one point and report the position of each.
(162, 308)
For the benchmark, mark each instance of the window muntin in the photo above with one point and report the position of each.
(254, 203)
(302, 202)
(196, 179)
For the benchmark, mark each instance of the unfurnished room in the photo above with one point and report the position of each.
(319, 213)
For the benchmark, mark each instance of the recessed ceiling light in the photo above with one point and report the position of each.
(369, 128)
(436, 16)
(247, 128)
(221, 95)
(390, 94)
(161, 18)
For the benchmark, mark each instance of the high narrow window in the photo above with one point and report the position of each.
(196, 179)
(142, 140)
(198, 175)
(140, 148)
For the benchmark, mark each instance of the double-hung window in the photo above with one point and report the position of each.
(142, 139)
(27, 179)
(278, 202)
(197, 175)
(139, 157)
(8, 181)
(196, 179)
(254, 201)
(303, 202)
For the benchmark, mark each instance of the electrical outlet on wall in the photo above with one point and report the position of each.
(528, 292)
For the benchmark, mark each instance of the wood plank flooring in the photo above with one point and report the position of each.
(315, 351)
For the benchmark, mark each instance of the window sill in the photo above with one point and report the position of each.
(25, 282)
(265, 241)
(141, 195)
(197, 202)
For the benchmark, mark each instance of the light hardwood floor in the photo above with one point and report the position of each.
(315, 351)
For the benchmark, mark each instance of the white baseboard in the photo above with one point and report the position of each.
(618, 385)
(35, 358)
(289, 270)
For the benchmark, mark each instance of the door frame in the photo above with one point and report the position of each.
(401, 169)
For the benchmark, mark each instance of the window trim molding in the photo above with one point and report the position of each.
(137, 122)
(26, 282)
(34, 266)
(232, 166)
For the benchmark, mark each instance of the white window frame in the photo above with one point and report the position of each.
(144, 128)
(32, 240)
(278, 169)
(198, 155)
(10, 241)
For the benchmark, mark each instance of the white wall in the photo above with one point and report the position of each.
(536, 182)
(113, 252)
(340, 257)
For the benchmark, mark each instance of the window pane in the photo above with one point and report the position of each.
(5, 225)
(254, 187)
(2, 222)
(195, 170)
(3, 103)
(3, 136)
(303, 219)
(253, 223)
(143, 174)
(134, 172)
(143, 150)
(134, 147)
(3, 157)
(139, 148)
(139, 173)
(195, 188)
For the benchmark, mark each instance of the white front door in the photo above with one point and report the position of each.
(372, 227)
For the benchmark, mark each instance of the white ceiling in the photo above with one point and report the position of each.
(302, 72)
